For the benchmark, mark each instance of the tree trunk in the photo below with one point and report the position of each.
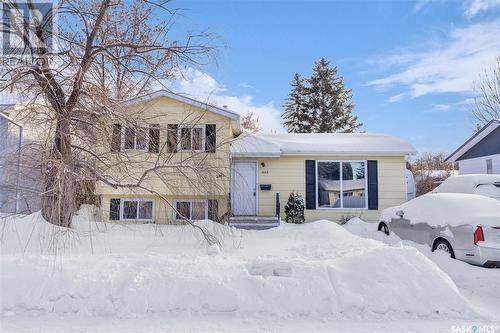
(59, 179)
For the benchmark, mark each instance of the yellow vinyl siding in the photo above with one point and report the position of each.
(287, 174)
(175, 180)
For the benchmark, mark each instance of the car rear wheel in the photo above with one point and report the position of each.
(384, 228)
(443, 245)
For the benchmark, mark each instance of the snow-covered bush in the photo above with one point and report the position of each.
(294, 209)
(346, 218)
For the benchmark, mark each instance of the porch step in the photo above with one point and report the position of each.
(254, 222)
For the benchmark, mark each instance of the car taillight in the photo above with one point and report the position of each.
(478, 235)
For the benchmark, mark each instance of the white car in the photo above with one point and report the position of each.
(487, 185)
(467, 226)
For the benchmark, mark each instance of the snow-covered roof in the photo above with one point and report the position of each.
(184, 99)
(474, 140)
(254, 145)
(275, 145)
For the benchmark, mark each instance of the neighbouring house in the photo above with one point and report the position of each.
(339, 175)
(480, 154)
(17, 191)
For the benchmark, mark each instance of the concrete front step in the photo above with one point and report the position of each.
(254, 222)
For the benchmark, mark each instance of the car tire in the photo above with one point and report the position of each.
(443, 245)
(384, 228)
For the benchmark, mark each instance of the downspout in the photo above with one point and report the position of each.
(19, 145)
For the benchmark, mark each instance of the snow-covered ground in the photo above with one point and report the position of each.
(313, 277)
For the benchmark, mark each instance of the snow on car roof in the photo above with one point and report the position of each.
(465, 183)
(439, 209)
(320, 144)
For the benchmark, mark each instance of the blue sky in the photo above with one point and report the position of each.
(411, 64)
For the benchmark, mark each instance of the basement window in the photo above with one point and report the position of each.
(191, 210)
(131, 209)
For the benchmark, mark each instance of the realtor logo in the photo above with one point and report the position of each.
(26, 28)
(474, 329)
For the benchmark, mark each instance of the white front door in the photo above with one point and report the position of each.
(244, 199)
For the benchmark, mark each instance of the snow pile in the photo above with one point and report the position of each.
(370, 230)
(479, 285)
(440, 209)
(316, 270)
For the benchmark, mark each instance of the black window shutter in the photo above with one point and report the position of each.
(310, 184)
(116, 139)
(172, 138)
(114, 209)
(154, 138)
(372, 185)
(210, 138)
(213, 210)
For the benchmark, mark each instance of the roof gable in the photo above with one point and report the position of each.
(186, 100)
(485, 142)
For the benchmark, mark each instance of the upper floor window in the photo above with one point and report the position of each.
(341, 184)
(196, 138)
(192, 137)
(489, 166)
(135, 138)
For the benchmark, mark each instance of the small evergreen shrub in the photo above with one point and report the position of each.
(294, 209)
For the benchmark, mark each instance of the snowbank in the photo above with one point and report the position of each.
(370, 230)
(480, 286)
(317, 270)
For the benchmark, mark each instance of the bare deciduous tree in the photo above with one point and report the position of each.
(487, 103)
(104, 52)
(429, 170)
(250, 122)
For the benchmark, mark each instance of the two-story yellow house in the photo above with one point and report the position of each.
(179, 154)
(193, 161)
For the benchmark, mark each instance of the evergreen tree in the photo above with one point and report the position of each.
(294, 209)
(296, 117)
(329, 102)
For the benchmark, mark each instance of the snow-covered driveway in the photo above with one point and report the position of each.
(314, 277)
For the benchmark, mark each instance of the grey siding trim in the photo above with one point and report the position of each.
(489, 145)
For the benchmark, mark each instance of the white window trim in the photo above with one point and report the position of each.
(341, 186)
(174, 216)
(179, 137)
(124, 130)
(122, 205)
